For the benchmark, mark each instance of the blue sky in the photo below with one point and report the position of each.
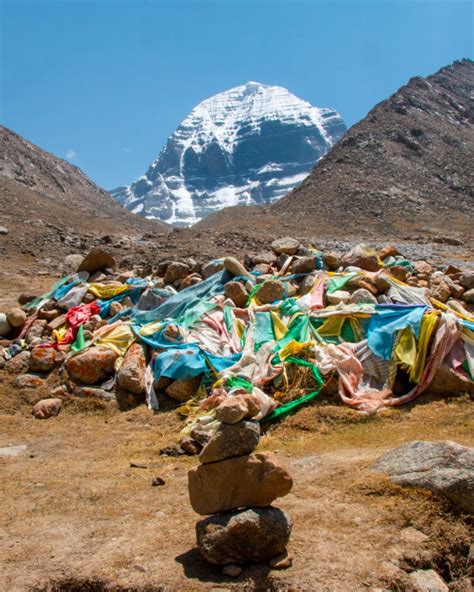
(104, 82)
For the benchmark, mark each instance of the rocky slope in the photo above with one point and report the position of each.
(49, 207)
(403, 171)
(27, 166)
(248, 145)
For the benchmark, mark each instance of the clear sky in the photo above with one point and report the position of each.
(104, 82)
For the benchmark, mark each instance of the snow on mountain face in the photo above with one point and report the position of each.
(248, 145)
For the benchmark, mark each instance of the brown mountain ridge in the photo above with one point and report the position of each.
(404, 170)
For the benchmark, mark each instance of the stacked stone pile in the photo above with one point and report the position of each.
(236, 487)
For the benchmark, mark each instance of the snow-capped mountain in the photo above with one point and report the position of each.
(248, 145)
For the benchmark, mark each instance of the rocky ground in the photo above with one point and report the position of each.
(92, 504)
(79, 510)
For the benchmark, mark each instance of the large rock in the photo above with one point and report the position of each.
(183, 390)
(286, 245)
(47, 408)
(363, 296)
(338, 296)
(332, 260)
(234, 409)
(176, 271)
(230, 440)
(427, 580)
(92, 366)
(19, 363)
(440, 288)
(468, 296)
(5, 326)
(16, 317)
(28, 381)
(252, 535)
(304, 265)
(71, 263)
(96, 260)
(363, 257)
(466, 279)
(448, 382)
(36, 331)
(237, 293)
(212, 267)
(245, 481)
(131, 375)
(42, 359)
(270, 291)
(446, 468)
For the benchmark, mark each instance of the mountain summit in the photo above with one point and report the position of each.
(248, 145)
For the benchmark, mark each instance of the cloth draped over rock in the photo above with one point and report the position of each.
(198, 333)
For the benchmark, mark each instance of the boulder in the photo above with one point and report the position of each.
(388, 251)
(448, 382)
(237, 293)
(18, 364)
(27, 297)
(286, 245)
(427, 580)
(363, 257)
(35, 332)
(445, 468)
(399, 272)
(363, 296)
(16, 317)
(251, 535)
(231, 440)
(440, 288)
(244, 481)
(131, 374)
(212, 267)
(5, 326)
(304, 265)
(42, 359)
(466, 279)
(91, 366)
(71, 264)
(28, 381)
(423, 268)
(332, 260)
(176, 271)
(234, 409)
(3, 230)
(90, 392)
(270, 291)
(96, 260)
(338, 296)
(233, 266)
(468, 296)
(190, 280)
(264, 257)
(183, 390)
(47, 408)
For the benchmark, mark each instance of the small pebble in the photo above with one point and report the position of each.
(232, 570)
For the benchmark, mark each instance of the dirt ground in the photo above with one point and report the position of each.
(75, 515)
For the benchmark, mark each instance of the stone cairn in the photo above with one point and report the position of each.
(236, 488)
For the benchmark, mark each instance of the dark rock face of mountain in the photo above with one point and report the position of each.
(248, 145)
(406, 167)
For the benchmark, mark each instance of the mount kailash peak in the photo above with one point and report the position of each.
(249, 145)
